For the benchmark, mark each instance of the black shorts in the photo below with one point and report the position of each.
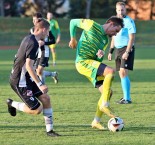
(42, 62)
(28, 94)
(121, 63)
(100, 72)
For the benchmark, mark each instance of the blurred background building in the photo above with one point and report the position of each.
(137, 9)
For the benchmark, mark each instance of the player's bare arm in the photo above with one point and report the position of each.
(31, 71)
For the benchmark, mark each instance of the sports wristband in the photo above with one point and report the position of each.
(39, 84)
(111, 50)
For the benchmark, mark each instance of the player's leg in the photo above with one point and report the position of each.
(96, 121)
(53, 51)
(13, 105)
(89, 68)
(104, 102)
(30, 103)
(99, 113)
(125, 81)
(43, 62)
(48, 114)
(120, 68)
(54, 75)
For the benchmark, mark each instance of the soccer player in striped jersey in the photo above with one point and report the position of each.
(89, 57)
(44, 53)
(25, 82)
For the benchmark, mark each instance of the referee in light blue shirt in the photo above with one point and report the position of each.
(123, 43)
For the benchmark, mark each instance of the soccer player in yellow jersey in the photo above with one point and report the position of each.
(55, 29)
(89, 57)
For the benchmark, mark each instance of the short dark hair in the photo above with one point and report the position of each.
(37, 15)
(116, 21)
(42, 23)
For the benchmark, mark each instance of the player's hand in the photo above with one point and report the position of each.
(43, 88)
(125, 56)
(41, 43)
(100, 53)
(73, 43)
(109, 56)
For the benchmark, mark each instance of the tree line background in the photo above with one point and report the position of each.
(137, 9)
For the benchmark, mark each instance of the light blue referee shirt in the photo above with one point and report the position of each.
(122, 38)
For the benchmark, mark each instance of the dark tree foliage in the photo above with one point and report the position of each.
(9, 8)
(78, 8)
(103, 8)
(99, 8)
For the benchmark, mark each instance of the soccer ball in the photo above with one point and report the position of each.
(115, 124)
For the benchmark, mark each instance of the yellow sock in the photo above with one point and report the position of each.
(98, 113)
(54, 57)
(104, 108)
(105, 97)
(103, 102)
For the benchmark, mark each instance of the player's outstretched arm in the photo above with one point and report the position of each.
(32, 73)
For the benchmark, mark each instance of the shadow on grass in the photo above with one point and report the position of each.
(73, 129)
(144, 130)
(69, 129)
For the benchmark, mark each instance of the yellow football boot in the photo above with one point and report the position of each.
(97, 125)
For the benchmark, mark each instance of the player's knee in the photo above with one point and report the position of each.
(122, 73)
(45, 100)
(109, 70)
(38, 110)
(112, 71)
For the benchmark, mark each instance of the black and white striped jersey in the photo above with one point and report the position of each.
(28, 49)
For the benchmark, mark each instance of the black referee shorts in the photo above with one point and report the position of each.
(122, 63)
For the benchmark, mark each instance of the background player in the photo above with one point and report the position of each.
(43, 54)
(54, 27)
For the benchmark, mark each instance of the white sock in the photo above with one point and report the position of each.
(47, 73)
(18, 105)
(48, 119)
